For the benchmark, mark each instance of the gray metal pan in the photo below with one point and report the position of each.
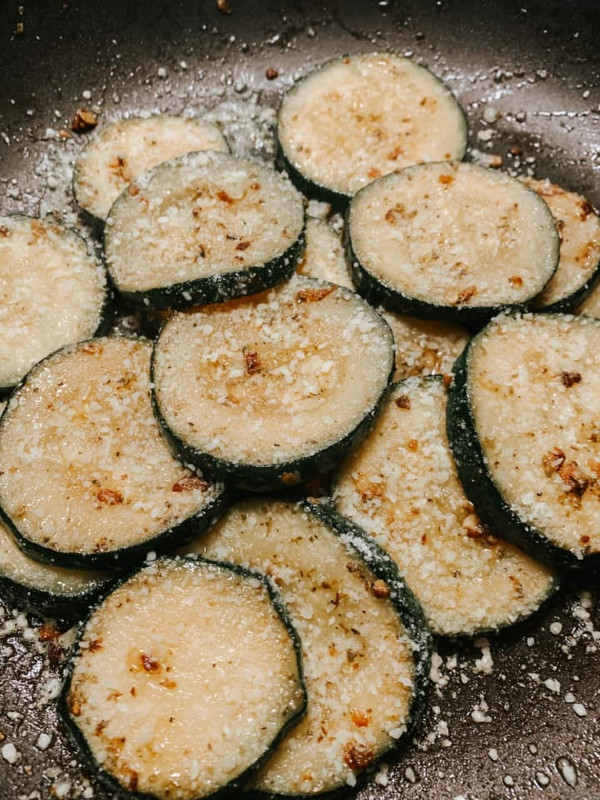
(522, 721)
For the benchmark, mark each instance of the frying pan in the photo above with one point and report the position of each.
(519, 721)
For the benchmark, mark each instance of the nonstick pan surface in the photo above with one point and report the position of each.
(516, 715)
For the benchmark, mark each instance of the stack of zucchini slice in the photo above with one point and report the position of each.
(276, 645)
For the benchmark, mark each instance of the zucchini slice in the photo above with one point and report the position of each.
(53, 291)
(183, 680)
(360, 117)
(425, 347)
(129, 147)
(579, 231)
(401, 487)
(323, 257)
(42, 588)
(523, 424)
(454, 242)
(203, 228)
(365, 645)
(86, 479)
(271, 390)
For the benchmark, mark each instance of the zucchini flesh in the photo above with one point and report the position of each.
(53, 291)
(86, 479)
(402, 488)
(361, 117)
(365, 647)
(579, 232)
(270, 390)
(522, 421)
(451, 241)
(183, 679)
(201, 228)
(129, 147)
(424, 347)
(323, 257)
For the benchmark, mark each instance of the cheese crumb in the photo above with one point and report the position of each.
(43, 741)
(10, 753)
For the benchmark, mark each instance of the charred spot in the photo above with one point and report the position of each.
(412, 445)
(446, 180)
(374, 173)
(403, 402)
(252, 362)
(109, 497)
(397, 151)
(133, 781)
(243, 245)
(223, 6)
(465, 295)
(149, 664)
(83, 121)
(553, 460)
(313, 295)
(357, 757)
(133, 190)
(585, 209)
(48, 632)
(290, 478)
(92, 348)
(190, 482)
(95, 645)
(517, 586)
(224, 197)
(74, 706)
(361, 718)
(380, 589)
(271, 74)
(119, 166)
(4, 230)
(100, 727)
(568, 379)
(516, 280)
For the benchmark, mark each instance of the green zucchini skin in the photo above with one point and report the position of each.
(337, 200)
(79, 740)
(378, 293)
(220, 288)
(47, 604)
(266, 478)
(121, 559)
(567, 305)
(478, 483)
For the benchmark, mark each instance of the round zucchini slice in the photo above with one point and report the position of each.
(129, 147)
(323, 257)
(365, 646)
(271, 390)
(454, 242)
(425, 347)
(203, 228)
(86, 479)
(360, 117)
(523, 424)
(53, 292)
(401, 487)
(579, 231)
(183, 680)
(42, 588)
